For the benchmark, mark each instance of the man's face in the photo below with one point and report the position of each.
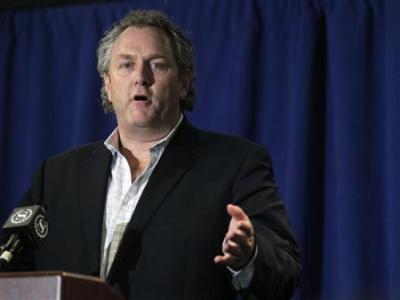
(143, 83)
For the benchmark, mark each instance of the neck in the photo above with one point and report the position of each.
(141, 139)
(135, 148)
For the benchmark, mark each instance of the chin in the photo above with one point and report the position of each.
(140, 124)
(143, 122)
(140, 121)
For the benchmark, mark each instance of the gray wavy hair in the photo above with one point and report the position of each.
(182, 50)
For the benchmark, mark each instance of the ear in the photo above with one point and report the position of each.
(107, 85)
(183, 86)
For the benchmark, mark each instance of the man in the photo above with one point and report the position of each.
(161, 209)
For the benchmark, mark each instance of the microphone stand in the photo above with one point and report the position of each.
(7, 250)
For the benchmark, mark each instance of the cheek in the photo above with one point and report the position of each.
(121, 89)
(166, 91)
(160, 91)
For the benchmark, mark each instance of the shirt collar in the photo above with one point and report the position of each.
(112, 141)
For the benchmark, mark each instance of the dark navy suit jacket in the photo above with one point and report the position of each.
(179, 223)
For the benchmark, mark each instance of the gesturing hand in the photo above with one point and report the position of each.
(238, 245)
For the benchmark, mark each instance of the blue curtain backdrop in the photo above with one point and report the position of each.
(315, 81)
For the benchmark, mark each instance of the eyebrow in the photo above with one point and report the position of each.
(151, 57)
(125, 56)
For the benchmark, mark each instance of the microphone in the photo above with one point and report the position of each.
(28, 227)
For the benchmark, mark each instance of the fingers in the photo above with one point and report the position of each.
(227, 260)
(232, 248)
(236, 212)
(233, 256)
(240, 222)
(239, 239)
(240, 246)
(239, 242)
(241, 228)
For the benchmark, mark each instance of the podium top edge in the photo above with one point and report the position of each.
(50, 274)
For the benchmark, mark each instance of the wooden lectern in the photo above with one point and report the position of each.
(55, 285)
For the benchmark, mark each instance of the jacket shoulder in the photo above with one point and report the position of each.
(227, 142)
(78, 153)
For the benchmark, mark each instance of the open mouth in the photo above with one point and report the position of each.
(140, 98)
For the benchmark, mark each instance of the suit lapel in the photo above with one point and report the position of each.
(175, 161)
(93, 181)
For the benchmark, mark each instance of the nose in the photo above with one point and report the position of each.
(143, 75)
(140, 80)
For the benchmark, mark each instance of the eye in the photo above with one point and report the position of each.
(158, 66)
(126, 65)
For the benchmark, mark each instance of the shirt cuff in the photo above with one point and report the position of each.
(241, 278)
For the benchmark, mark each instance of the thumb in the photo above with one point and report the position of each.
(236, 212)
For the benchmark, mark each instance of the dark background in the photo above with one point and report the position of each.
(317, 82)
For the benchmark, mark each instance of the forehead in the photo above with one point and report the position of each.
(146, 40)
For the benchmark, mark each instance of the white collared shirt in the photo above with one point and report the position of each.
(123, 194)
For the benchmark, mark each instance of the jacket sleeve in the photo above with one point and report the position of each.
(278, 263)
